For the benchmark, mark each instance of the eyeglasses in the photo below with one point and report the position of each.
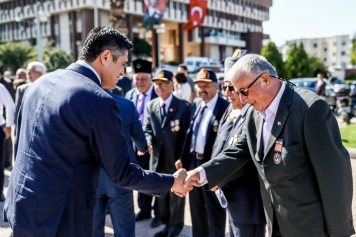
(230, 87)
(244, 92)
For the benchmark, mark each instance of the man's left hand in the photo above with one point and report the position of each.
(177, 187)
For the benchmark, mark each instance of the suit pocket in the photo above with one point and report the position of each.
(307, 193)
(92, 199)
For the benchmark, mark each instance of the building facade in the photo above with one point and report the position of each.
(332, 51)
(229, 24)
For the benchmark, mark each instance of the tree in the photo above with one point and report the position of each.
(141, 47)
(317, 66)
(16, 55)
(353, 54)
(271, 53)
(55, 58)
(298, 63)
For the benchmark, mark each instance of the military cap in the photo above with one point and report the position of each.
(206, 75)
(164, 75)
(230, 61)
(140, 65)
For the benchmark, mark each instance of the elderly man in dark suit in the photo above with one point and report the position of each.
(74, 128)
(242, 189)
(208, 217)
(165, 126)
(120, 200)
(140, 96)
(294, 141)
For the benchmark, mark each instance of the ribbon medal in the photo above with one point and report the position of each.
(278, 149)
(215, 125)
(172, 125)
(176, 127)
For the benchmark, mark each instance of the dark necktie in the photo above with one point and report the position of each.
(141, 106)
(163, 111)
(196, 129)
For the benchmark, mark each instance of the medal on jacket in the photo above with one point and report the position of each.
(215, 125)
(176, 127)
(172, 125)
(278, 149)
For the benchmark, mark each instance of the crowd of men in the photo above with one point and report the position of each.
(254, 153)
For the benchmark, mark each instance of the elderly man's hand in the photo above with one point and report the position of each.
(177, 187)
(192, 178)
(7, 131)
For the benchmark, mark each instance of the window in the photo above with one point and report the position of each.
(325, 49)
(342, 53)
(315, 45)
(325, 60)
(343, 43)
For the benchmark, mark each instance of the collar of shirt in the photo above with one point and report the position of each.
(273, 107)
(167, 102)
(244, 110)
(85, 64)
(148, 93)
(211, 104)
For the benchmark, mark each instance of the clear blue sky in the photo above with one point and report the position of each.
(294, 19)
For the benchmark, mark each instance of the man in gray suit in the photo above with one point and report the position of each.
(34, 71)
(165, 126)
(294, 141)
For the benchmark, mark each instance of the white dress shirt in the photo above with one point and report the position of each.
(6, 100)
(167, 102)
(83, 63)
(270, 114)
(147, 99)
(201, 136)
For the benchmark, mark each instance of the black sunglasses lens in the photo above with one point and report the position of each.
(243, 92)
(231, 88)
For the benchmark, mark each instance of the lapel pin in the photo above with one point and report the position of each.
(279, 123)
(170, 110)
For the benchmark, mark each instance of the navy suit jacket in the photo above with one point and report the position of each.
(125, 84)
(132, 130)
(219, 110)
(242, 189)
(74, 129)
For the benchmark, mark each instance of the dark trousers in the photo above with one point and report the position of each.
(121, 212)
(245, 230)
(8, 152)
(208, 217)
(144, 201)
(2, 141)
(276, 232)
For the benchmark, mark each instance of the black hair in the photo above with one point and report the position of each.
(183, 66)
(102, 38)
(180, 77)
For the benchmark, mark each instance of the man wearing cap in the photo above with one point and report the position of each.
(242, 189)
(208, 217)
(140, 96)
(165, 126)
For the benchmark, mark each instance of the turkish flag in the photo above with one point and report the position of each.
(197, 12)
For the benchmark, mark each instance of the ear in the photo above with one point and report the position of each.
(104, 57)
(266, 79)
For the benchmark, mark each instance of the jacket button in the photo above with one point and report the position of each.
(271, 185)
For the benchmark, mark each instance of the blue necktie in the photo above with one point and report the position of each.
(163, 111)
(196, 130)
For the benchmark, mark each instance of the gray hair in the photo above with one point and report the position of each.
(252, 64)
(39, 67)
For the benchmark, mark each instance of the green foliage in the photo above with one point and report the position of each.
(348, 135)
(55, 58)
(271, 53)
(317, 66)
(353, 54)
(16, 55)
(141, 47)
(298, 63)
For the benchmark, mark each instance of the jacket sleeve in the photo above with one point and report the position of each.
(136, 132)
(110, 148)
(227, 162)
(331, 163)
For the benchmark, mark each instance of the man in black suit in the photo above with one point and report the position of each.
(125, 83)
(242, 189)
(140, 96)
(208, 217)
(165, 127)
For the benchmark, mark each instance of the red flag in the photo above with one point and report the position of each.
(197, 12)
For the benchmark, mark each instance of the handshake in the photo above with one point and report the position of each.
(184, 181)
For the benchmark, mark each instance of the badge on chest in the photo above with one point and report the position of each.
(278, 151)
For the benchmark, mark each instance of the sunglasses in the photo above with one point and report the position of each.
(244, 92)
(230, 87)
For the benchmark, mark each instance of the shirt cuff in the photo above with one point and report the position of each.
(203, 180)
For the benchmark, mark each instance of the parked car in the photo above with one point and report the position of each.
(194, 64)
(310, 84)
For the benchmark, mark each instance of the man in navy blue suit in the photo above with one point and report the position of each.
(74, 129)
(120, 200)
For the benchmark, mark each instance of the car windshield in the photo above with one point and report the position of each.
(304, 84)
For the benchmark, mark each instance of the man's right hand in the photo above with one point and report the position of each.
(193, 177)
(7, 131)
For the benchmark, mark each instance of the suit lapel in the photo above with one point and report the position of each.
(225, 115)
(134, 97)
(157, 109)
(281, 117)
(171, 110)
(259, 146)
(84, 71)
